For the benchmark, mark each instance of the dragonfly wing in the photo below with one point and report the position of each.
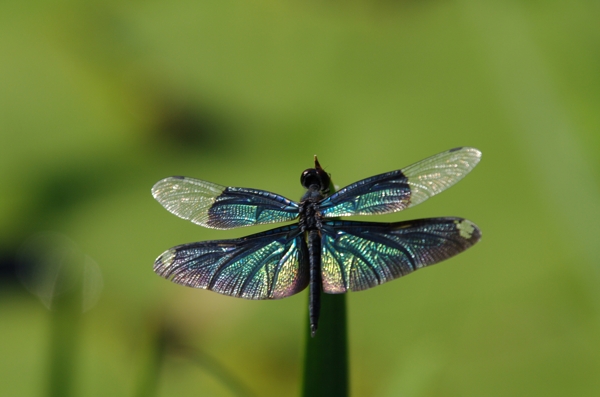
(360, 255)
(220, 207)
(268, 265)
(400, 189)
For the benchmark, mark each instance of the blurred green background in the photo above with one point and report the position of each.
(101, 99)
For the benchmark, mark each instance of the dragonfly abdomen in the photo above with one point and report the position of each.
(314, 257)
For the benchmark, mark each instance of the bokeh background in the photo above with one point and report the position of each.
(101, 99)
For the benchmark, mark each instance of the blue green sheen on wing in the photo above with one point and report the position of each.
(361, 255)
(397, 190)
(236, 207)
(214, 206)
(267, 265)
(380, 194)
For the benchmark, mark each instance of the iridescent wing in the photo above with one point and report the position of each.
(400, 189)
(220, 207)
(360, 255)
(267, 265)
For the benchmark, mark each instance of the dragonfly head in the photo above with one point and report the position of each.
(315, 178)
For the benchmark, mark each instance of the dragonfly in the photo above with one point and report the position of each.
(319, 251)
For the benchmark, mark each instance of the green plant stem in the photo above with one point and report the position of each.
(326, 355)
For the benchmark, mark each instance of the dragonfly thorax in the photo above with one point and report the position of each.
(317, 182)
(309, 215)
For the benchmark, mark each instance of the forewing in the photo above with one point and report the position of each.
(268, 265)
(400, 189)
(220, 207)
(360, 255)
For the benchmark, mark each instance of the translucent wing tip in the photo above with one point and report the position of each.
(437, 173)
(472, 155)
(466, 149)
(159, 186)
(156, 189)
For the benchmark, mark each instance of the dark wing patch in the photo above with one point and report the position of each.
(360, 255)
(400, 189)
(267, 265)
(219, 207)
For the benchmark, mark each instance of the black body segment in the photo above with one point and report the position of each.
(314, 301)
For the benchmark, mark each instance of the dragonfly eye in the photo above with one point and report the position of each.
(311, 177)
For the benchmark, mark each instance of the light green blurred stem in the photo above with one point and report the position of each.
(214, 367)
(152, 362)
(326, 355)
(65, 319)
(163, 343)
